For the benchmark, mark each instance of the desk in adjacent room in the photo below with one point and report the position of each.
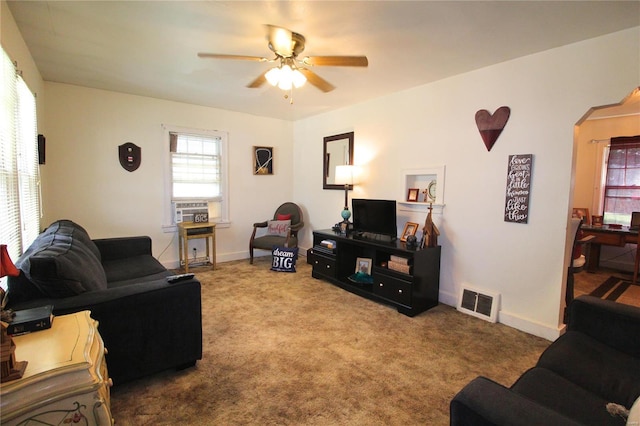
(609, 237)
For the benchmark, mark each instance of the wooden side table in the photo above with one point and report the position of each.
(66, 380)
(190, 230)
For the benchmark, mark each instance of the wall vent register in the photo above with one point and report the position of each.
(479, 304)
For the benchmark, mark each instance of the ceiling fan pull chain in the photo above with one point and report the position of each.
(289, 96)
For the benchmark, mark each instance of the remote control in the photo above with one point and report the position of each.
(180, 277)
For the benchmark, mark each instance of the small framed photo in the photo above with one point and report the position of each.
(410, 228)
(412, 195)
(582, 213)
(262, 160)
(363, 264)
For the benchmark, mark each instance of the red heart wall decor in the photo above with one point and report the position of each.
(491, 126)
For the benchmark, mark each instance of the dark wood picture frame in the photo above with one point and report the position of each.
(412, 195)
(341, 144)
(262, 160)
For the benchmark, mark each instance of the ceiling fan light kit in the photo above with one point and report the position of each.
(285, 77)
(292, 72)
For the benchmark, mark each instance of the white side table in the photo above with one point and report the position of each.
(66, 376)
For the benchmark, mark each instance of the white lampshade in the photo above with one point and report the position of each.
(347, 175)
(298, 78)
(286, 77)
(273, 76)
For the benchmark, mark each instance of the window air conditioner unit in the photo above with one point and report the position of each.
(186, 211)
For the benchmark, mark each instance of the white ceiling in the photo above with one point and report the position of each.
(150, 48)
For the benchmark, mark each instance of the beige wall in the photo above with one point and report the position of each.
(548, 93)
(83, 179)
(13, 43)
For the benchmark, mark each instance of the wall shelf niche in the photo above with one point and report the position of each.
(430, 179)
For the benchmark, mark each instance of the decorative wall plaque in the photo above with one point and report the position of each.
(491, 125)
(130, 156)
(516, 206)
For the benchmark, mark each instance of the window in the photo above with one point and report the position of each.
(622, 182)
(197, 170)
(195, 167)
(19, 173)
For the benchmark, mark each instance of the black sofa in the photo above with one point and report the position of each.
(148, 324)
(595, 363)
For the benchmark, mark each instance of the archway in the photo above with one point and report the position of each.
(592, 134)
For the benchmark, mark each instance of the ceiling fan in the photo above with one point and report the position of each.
(289, 70)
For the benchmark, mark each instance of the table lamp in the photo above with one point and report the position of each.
(6, 268)
(6, 265)
(346, 175)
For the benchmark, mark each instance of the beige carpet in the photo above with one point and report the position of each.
(287, 349)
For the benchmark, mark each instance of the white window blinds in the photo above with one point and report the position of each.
(27, 160)
(19, 177)
(195, 167)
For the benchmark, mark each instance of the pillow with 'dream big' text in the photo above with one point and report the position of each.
(278, 227)
(284, 259)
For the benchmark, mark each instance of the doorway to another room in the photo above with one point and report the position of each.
(603, 202)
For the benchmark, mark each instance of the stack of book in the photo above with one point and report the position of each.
(400, 264)
(330, 244)
(325, 246)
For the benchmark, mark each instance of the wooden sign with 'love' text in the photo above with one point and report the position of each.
(516, 206)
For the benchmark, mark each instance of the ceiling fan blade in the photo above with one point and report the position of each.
(317, 81)
(239, 57)
(337, 61)
(259, 81)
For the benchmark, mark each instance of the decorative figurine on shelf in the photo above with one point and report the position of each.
(429, 231)
(425, 193)
(10, 369)
(412, 242)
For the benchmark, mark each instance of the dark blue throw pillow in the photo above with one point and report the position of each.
(284, 259)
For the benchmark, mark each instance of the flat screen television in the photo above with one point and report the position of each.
(377, 217)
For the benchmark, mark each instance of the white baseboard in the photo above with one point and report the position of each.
(448, 298)
(531, 327)
(512, 320)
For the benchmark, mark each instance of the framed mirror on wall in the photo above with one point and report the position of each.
(338, 150)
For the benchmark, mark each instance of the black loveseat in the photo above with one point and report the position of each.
(595, 363)
(148, 324)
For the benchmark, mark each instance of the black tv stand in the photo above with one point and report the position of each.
(411, 292)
